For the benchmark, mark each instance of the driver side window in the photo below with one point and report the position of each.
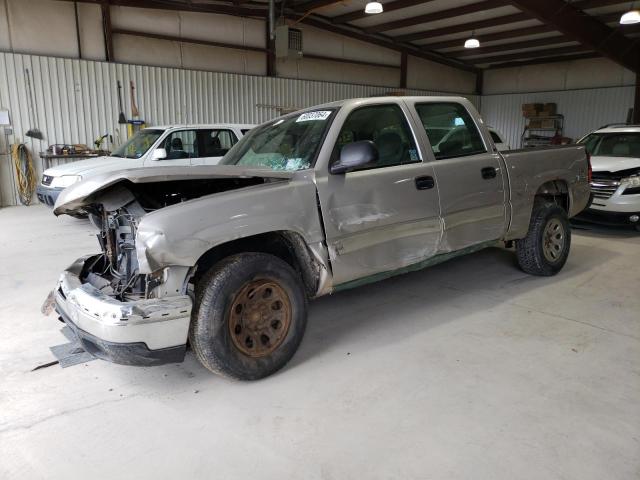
(387, 127)
(181, 144)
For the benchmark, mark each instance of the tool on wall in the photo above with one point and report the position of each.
(33, 132)
(25, 173)
(136, 123)
(134, 108)
(121, 118)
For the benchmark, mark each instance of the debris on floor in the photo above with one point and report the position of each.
(72, 353)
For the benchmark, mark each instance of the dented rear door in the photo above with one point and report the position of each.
(385, 218)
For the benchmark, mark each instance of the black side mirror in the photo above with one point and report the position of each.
(354, 156)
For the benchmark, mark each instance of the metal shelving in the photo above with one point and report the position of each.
(530, 138)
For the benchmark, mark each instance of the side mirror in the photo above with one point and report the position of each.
(354, 156)
(159, 154)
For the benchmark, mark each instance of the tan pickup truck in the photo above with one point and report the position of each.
(226, 257)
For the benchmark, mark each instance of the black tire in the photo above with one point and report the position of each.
(217, 292)
(531, 249)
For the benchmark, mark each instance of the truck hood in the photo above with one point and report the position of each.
(614, 164)
(92, 166)
(74, 198)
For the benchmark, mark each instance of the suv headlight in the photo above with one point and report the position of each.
(64, 181)
(631, 182)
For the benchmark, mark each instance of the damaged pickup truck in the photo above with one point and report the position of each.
(226, 257)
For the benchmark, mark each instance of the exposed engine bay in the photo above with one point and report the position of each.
(117, 212)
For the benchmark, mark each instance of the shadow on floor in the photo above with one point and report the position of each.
(603, 231)
(418, 301)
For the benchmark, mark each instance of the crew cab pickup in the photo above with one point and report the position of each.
(328, 198)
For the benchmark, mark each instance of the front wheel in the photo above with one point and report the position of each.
(545, 249)
(250, 315)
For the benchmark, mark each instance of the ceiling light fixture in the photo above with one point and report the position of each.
(373, 7)
(472, 42)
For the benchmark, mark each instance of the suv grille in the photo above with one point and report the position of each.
(46, 180)
(605, 184)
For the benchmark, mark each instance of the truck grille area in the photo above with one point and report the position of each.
(605, 184)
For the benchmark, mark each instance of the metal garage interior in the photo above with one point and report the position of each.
(556, 397)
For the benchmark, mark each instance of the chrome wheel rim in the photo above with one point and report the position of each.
(259, 318)
(553, 240)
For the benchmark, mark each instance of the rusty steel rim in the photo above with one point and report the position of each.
(259, 318)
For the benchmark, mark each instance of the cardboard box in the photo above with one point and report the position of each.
(548, 123)
(531, 109)
(549, 110)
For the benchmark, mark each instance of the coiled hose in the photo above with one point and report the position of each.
(25, 173)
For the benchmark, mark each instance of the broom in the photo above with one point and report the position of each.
(32, 132)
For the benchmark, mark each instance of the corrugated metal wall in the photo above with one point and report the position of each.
(76, 100)
(584, 110)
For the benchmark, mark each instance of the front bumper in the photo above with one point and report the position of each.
(605, 217)
(138, 332)
(48, 195)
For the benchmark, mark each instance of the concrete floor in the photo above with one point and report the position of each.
(470, 369)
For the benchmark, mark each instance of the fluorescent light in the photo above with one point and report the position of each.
(373, 7)
(472, 43)
(630, 17)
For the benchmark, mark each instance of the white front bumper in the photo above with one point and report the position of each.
(158, 323)
(617, 202)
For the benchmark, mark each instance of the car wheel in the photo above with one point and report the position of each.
(545, 249)
(249, 317)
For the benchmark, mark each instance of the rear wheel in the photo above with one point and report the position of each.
(545, 249)
(250, 316)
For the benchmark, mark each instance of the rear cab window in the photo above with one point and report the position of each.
(457, 134)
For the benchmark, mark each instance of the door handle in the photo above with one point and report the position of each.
(489, 173)
(425, 183)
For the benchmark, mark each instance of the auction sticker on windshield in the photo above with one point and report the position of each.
(314, 116)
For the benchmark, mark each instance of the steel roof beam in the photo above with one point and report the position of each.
(585, 29)
(439, 15)
(388, 7)
(552, 52)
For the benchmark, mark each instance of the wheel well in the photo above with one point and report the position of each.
(555, 191)
(286, 245)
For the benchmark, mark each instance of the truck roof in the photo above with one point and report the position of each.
(201, 125)
(386, 99)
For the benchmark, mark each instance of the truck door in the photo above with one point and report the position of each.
(469, 173)
(385, 217)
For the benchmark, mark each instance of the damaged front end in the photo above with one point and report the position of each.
(118, 311)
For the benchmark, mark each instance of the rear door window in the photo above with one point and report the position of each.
(462, 137)
(216, 143)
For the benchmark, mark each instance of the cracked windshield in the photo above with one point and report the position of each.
(289, 143)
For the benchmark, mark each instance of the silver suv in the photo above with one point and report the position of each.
(615, 185)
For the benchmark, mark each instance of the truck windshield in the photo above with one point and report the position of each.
(624, 144)
(288, 143)
(137, 145)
